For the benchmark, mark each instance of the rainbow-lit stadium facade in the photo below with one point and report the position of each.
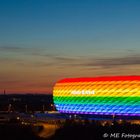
(115, 95)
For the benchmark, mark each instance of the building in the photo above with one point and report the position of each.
(104, 96)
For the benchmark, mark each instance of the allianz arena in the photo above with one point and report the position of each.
(115, 95)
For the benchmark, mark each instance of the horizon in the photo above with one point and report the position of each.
(42, 42)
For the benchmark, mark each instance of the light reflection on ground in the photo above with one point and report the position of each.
(48, 130)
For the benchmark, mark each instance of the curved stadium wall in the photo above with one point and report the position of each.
(117, 95)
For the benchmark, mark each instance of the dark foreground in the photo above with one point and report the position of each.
(18, 132)
(72, 131)
(95, 131)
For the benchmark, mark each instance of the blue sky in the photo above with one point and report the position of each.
(95, 37)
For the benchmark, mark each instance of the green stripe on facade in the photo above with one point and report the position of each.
(97, 100)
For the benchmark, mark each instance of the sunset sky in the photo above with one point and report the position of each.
(43, 41)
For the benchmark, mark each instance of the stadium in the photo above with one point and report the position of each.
(100, 96)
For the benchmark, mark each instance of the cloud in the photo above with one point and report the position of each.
(34, 64)
(56, 57)
(9, 60)
(45, 59)
(8, 48)
(42, 54)
(19, 49)
(114, 62)
(64, 59)
(106, 62)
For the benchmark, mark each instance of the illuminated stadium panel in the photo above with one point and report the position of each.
(117, 95)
